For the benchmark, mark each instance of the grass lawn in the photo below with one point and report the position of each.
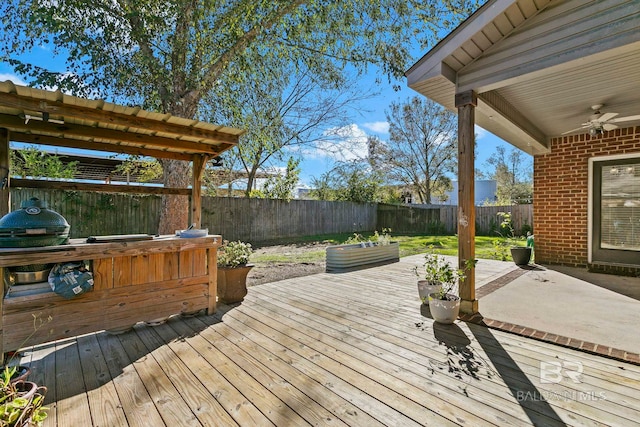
(409, 245)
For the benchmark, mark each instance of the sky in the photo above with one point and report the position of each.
(370, 120)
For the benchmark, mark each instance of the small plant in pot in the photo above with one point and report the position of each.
(233, 268)
(444, 304)
(21, 402)
(436, 271)
(520, 254)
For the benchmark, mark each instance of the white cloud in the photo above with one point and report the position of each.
(480, 133)
(12, 77)
(344, 144)
(377, 127)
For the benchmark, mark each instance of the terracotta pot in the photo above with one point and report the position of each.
(26, 389)
(21, 374)
(232, 283)
(444, 311)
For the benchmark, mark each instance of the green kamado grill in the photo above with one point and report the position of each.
(33, 225)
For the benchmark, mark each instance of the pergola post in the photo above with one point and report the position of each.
(466, 103)
(199, 162)
(5, 205)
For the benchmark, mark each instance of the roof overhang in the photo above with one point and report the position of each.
(538, 66)
(53, 118)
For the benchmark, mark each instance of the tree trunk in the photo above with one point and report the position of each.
(174, 213)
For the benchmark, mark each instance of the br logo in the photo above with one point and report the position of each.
(554, 372)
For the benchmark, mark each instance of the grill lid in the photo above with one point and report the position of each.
(34, 223)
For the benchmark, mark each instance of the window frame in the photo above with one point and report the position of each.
(596, 254)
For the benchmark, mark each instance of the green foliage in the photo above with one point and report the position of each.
(35, 163)
(282, 187)
(509, 240)
(15, 408)
(349, 181)
(500, 250)
(381, 238)
(144, 169)
(234, 254)
(163, 52)
(513, 173)
(355, 238)
(436, 269)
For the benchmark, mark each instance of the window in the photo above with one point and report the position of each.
(616, 211)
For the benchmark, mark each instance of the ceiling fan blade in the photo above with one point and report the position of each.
(625, 119)
(606, 116)
(609, 126)
(574, 130)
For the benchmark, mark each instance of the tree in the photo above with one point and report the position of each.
(513, 173)
(422, 146)
(282, 186)
(286, 110)
(349, 181)
(166, 56)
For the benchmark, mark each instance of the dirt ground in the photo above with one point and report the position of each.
(274, 271)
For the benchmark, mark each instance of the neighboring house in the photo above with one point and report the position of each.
(561, 81)
(485, 191)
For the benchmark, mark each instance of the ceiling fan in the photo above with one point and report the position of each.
(599, 122)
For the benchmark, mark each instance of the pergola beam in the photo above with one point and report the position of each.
(100, 146)
(98, 188)
(98, 115)
(75, 131)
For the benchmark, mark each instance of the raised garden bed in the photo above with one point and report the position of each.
(353, 256)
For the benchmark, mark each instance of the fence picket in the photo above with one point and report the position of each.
(260, 220)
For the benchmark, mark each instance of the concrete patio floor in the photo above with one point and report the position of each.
(571, 303)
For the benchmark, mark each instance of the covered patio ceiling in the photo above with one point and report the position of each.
(537, 67)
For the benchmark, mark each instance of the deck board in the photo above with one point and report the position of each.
(349, 349)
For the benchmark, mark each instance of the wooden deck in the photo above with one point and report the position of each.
(330, 349)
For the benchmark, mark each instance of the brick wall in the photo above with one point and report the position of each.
(560, 201)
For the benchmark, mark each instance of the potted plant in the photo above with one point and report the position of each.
(436, 271)
(21, 402)
(233, 268)
(444, 304)
(521, 255)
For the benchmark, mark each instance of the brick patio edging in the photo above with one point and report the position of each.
(585, 346)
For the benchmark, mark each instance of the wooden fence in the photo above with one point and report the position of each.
(417, 219)
(253, 220)
(260, 220)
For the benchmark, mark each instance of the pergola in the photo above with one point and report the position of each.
(52, 118)
(529, 71)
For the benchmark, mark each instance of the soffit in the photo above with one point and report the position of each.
(538, 66)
